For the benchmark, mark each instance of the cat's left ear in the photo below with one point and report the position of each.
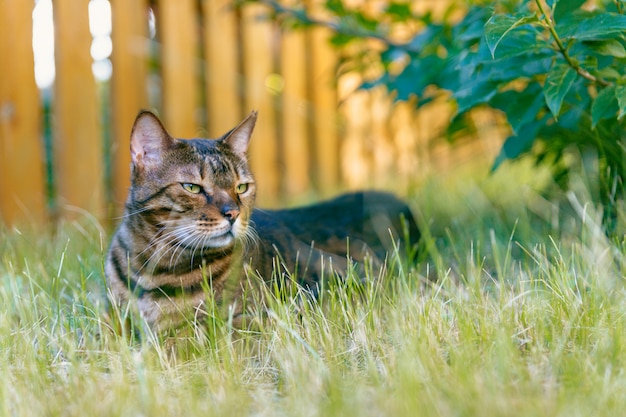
(239, 138)
(148, 140)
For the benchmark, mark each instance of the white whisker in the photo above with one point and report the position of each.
(163, 244)
(249, 237)
(132, 213)
(190, 244)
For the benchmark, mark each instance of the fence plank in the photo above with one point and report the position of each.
(324, 99)
(258, 41)
(298, 132)
(384, 160)
(294, 113)
(401, 123)
(21, 164)
(177, 25)
(356, 158)
(223, 78)
(77, 135)
(128, 83)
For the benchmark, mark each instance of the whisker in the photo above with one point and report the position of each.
(197, 244)
(193, 238)
(133, 213)
(163, 245)
(180, 246)
(249, 238)
(157, 239)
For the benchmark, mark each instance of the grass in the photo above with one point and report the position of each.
(526, 317)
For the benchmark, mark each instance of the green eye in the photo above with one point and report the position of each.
(241, 188)
(192, 188)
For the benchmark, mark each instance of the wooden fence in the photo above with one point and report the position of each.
(204, 66)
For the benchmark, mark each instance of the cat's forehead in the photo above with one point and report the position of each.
(213, 159)
(202, 146)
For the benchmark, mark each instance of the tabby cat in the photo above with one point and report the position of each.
(189, 227)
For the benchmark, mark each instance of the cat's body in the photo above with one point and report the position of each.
(189, 228)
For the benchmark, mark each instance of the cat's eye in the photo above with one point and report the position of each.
(192, 188)
(241, 188)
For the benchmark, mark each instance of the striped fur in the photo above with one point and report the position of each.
(189, 226)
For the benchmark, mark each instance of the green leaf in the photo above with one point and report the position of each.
(587, 26)
(336, 7)
(520, 107)
(474, 95)
(416, 76)
(340, 40)
(565, 7)
(523, 42)
(559, 81)
(472, 27)
(399, 11)
(607, 73)
(516, 145)
(604, 105)
(499, 25)
(620, 94)
(611, 47)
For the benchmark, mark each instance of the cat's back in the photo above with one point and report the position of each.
(373, 218)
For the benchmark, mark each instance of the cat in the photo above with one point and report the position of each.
(190, 227)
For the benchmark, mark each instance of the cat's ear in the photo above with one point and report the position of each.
(148, 139)
(239, 138)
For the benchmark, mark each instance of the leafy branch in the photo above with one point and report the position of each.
(303, 17)
(549, 24)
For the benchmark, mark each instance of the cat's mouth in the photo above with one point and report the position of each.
(224, 239)
(201, 238)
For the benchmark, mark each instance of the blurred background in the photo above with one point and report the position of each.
(75, 73)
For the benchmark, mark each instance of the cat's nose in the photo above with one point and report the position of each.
(230, 212)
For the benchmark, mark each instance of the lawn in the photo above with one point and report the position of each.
(518, 308)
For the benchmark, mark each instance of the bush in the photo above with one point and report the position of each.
(555, 69)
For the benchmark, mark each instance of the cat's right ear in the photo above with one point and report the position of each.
(239, 138)
(148, 140)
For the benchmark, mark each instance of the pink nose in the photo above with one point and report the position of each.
(230, 213)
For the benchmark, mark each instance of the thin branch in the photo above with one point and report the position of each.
(306, 18)
(563, 50)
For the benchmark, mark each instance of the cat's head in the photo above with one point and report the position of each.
(196, 193)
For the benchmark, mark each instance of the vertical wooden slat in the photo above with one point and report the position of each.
(177, 26)
(258, 67)
(383, 155)
(294, 113)
(404, 134)
(221, 53)
(324, 100)
(77, 135)
(356, 161)
(128, 83)
(431, 120)
(21, 165)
